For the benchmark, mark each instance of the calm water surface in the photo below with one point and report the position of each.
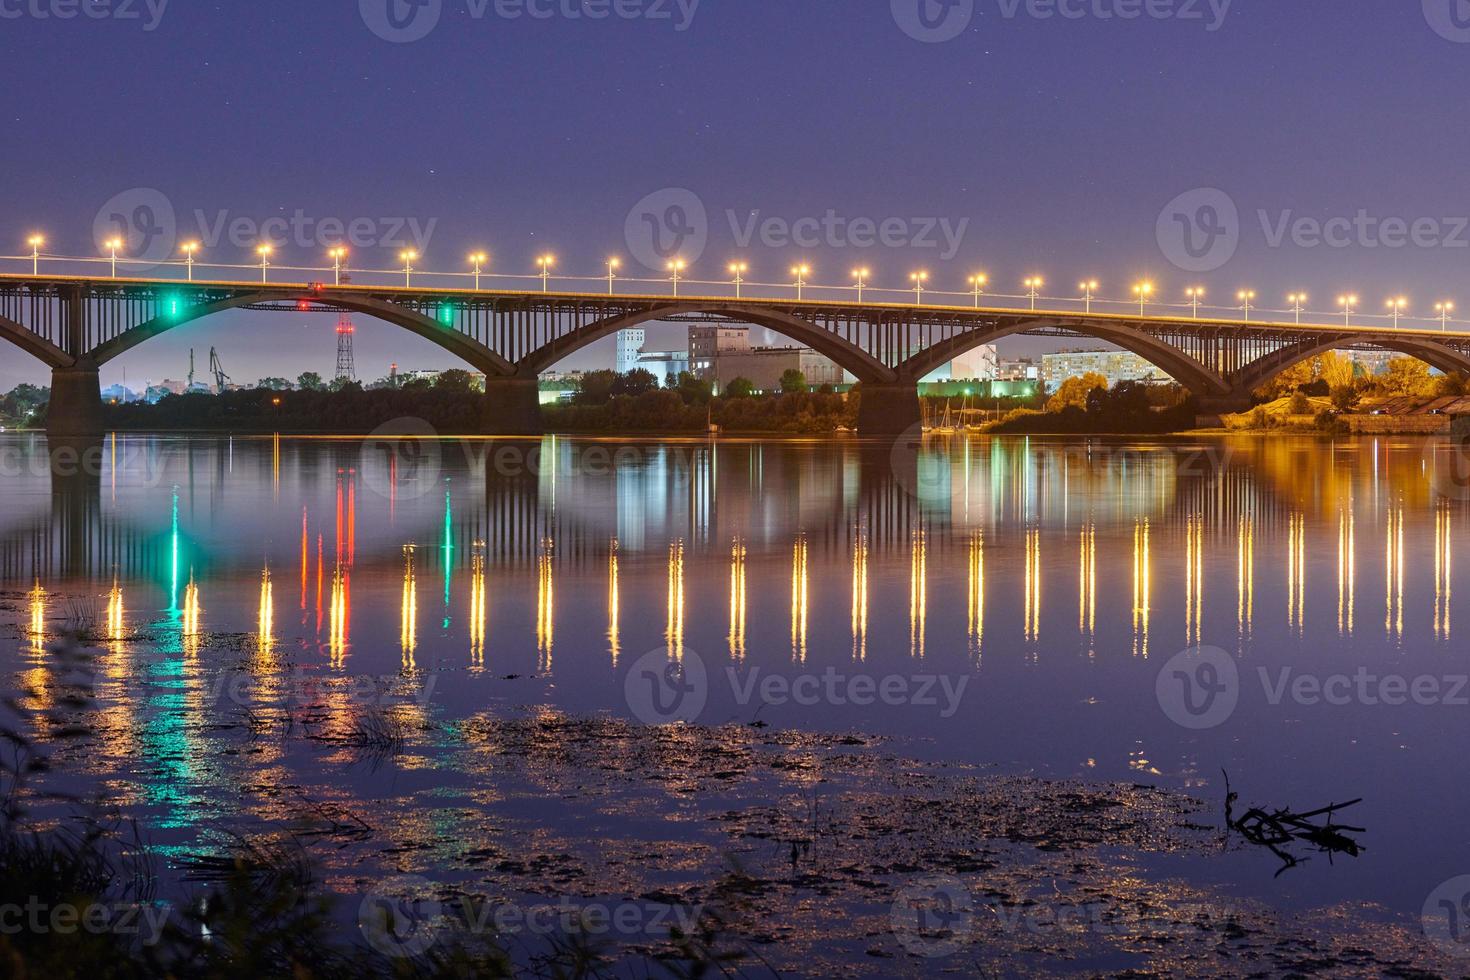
(1053, 578)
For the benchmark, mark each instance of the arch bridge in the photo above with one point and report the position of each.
(77, 324)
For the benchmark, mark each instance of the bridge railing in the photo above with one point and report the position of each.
(240, 274)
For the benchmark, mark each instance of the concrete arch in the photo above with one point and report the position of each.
(1177, 364)
(861, 364)
(34, 344)
(465, 348)
(1262, 370)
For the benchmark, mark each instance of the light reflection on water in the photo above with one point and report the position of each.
(1057, 575)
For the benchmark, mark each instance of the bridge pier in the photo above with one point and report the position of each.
(512, 407)
(888, 409)
(75, 410)
(1211, 407)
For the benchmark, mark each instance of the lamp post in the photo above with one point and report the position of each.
(801, 272)
(612, 273)
(1194, 294)
(861, 275)
(919, 278)
(546, 262)
(978, 282)
(1444, 310)
(112, 245)
(1245, 296)
(265, 252)
(1296, 300)
(1033, 284)
(477, 262)
(1396, 307)
(1143, 291)
(738, 270)
(407, 257)
(1088, 288)
(337, 255)
(189, 248)
(676, 268)
(35, 242)
(1347, 303)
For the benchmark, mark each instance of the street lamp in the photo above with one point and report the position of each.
(738, 270)
(676, 267)
(1143, 291)
(801, 272)
(861, 275)
(546, 262)
(112, 245)
(35, 242)
(1088, 288)
(337, 255)
(1245, 296)
(1032, 284)
(978, 282)
(477, 261)
(1396, 307)
(407, 257)
(919, 278)
(189, 248)
(612, 273)
(265, 252)
(1296, 300)
(1194, 294)
(1347, 303)
(1444, 310)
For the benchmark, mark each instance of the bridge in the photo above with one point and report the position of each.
(76, 324)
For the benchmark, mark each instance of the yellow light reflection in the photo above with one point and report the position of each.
(38, 619)
(545, 605)
(1296, 572)
(1194, 574)
(190, 621)
(674, 628)
(1033, 584)
(1087, 581)
(1245, 587)
(409, 611)
(338, 617)
(860, 596)
(1393, 562)
(1142, 586)
(1347, 573)
(477, 607)
(918, 592)
(975, 594)
(1443, 572)
(799, 598)
(265, 619)
(737, 599)
(614, 602)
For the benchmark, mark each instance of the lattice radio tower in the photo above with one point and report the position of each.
(346, 369)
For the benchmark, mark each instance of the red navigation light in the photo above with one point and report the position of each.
(317, 287)
(303, 305)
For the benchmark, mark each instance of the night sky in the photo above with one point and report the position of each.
(1056, 143)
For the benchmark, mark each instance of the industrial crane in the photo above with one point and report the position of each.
(218, 370)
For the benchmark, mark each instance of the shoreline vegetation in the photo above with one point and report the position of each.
(1324, 394)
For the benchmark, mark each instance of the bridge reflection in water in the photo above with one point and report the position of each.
(1145, 533)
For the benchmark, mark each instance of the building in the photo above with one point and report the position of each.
(709, 341)
(157, 393)
(763, 367)
(1021, 369)
(665, 365)
(1115, 365)
(119, 394)
(1370, 362)
(980, 364)
(629, 345)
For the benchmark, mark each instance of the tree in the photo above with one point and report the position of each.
(24, 400)
(635, 382)
(740, 388)
(1406, 376)
(595, 388)
(455, 380)
(1335, 369)
(1074, 391)
(274, 384)
(792, 382)
(309, 381)
(691, 389)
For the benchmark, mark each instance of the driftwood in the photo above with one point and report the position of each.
(1277, 829)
